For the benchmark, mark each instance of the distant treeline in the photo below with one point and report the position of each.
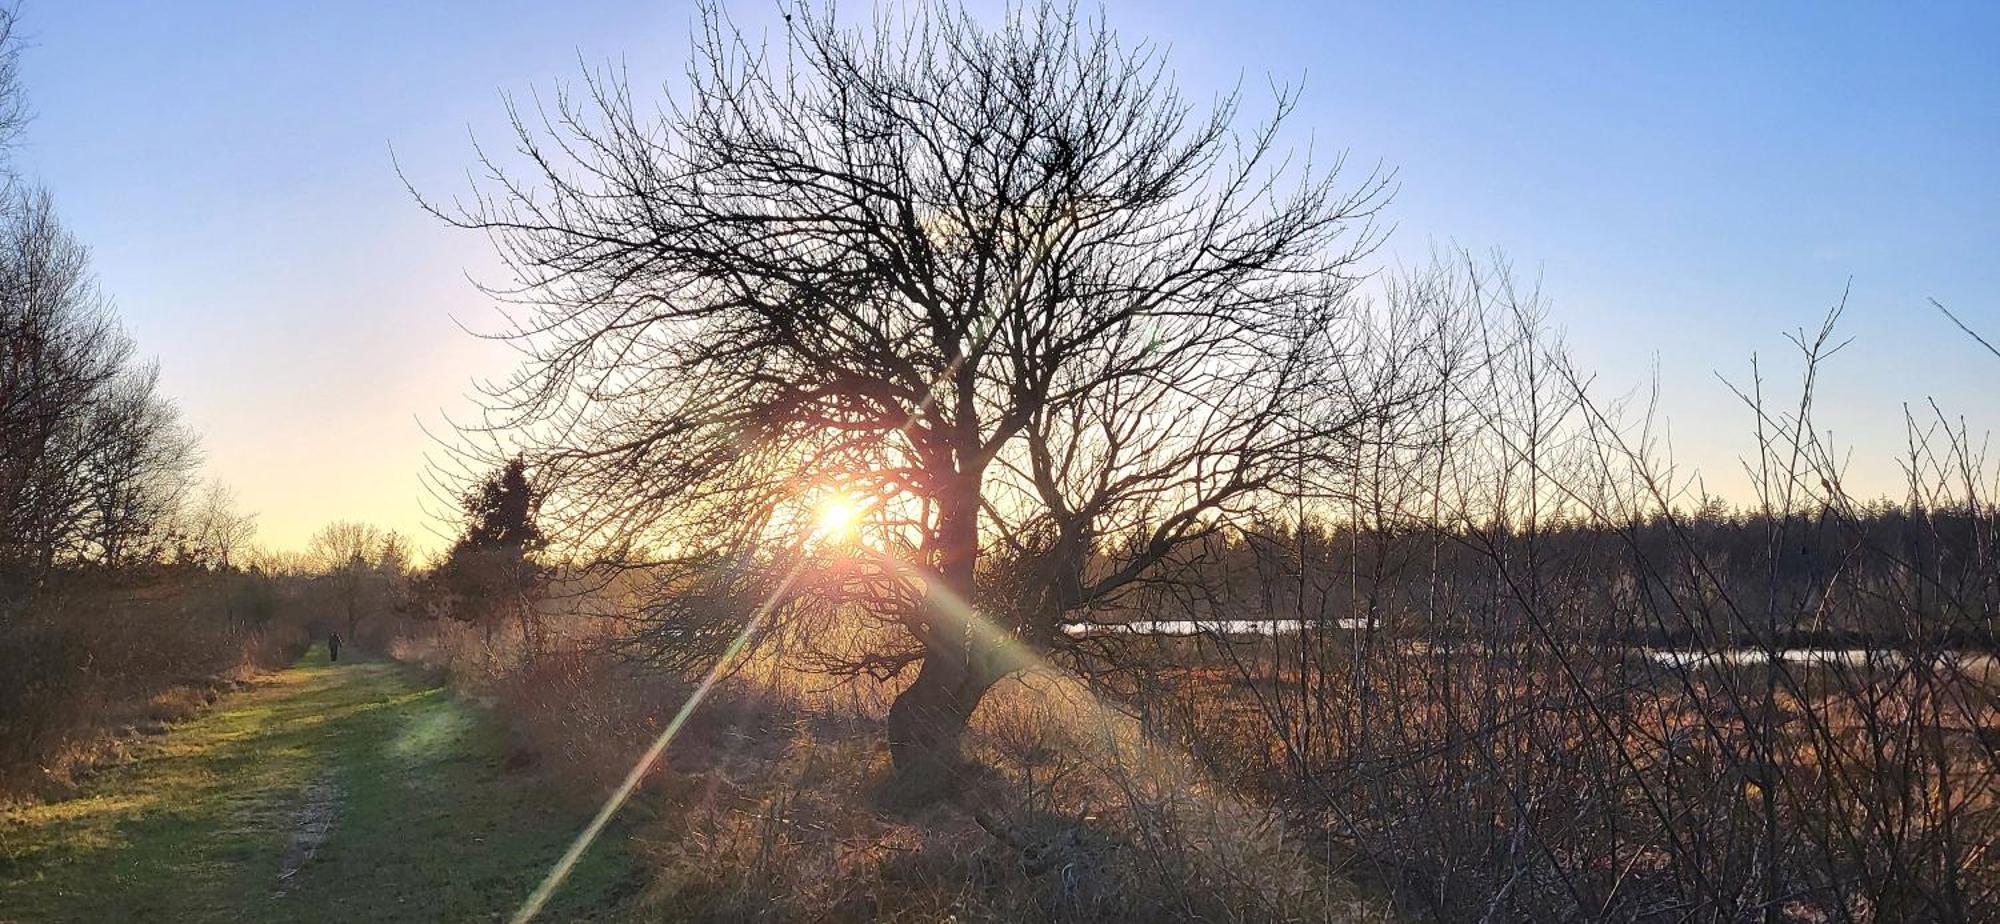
(1833, 569)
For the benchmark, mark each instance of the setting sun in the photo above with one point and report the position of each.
(1027, 461)
(839, 517)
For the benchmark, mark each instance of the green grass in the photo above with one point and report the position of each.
(426, 822)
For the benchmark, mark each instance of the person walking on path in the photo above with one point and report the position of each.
(333, 646)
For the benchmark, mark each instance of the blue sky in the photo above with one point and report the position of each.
(1688, 181)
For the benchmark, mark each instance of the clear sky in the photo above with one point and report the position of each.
(1689, 182)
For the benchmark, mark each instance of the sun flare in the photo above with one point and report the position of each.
(839, 517)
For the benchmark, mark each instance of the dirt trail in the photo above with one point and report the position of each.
(355, 791)
(315, 822)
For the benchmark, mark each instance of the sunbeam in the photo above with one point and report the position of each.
(838, 517)
(561, 870)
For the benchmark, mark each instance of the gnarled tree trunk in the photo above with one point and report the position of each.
(960, 661)
(928, 719)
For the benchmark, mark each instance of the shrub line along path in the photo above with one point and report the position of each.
(329, 792)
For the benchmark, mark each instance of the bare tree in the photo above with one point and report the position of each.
(62, 349)
(137, 460)
(220, 530)
(13, 103)
(1044, 319)
(362, 564)
(93, 462)
(345, 544)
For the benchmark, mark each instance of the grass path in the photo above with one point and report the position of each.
(344, 792)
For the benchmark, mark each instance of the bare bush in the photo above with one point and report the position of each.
(99, 659)
(1550, 681)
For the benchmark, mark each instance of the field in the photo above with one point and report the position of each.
(930, 461)
(356, 791)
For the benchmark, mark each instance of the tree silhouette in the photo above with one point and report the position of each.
(500, 513)
(94, 462)
(491, 573)
(1045, 320)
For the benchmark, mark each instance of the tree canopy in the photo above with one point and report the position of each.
(1042, 318)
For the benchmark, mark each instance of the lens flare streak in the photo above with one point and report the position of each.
(848, 515)
(561, 870)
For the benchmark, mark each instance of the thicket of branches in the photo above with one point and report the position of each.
(1541, 676)
(1082, 352)
(1044, 318)
(95, 465)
